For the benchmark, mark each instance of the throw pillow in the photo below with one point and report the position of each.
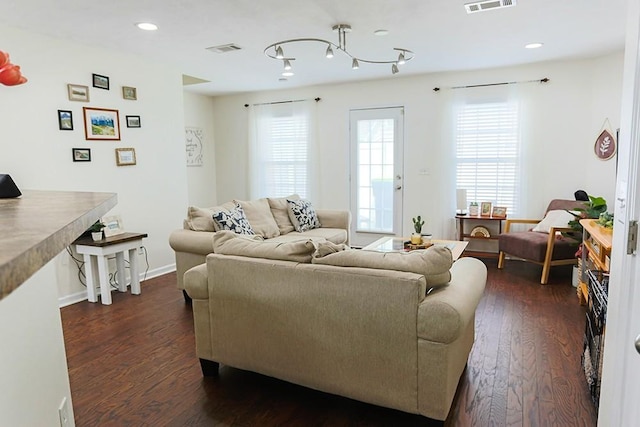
(228, 243)
(555, 218)
(201, 219)
(259, 216)
(280, 212)
(234, 220)
(302, 215)
(433, 263)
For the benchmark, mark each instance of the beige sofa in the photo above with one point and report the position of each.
(370, 334)
(194, 241)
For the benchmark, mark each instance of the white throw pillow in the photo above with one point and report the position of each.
(559, 218)
(234, 220)
(302, 215)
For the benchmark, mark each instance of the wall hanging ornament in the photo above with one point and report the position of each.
(605, 146)
(10, 74)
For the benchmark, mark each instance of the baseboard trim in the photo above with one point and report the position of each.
(83, 296)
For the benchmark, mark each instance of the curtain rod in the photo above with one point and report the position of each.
(284, 102)
(544, 80)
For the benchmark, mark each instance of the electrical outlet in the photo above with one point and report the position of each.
(63, 411)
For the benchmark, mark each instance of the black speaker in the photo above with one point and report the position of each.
(8, 188)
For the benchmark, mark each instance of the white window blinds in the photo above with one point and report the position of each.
(281, 150)
(488, 153)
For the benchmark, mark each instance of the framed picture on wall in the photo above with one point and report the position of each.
(101, 123)
(133, 121)
(101, 82)
(129, 93)
(65, 120)
(78, 93)
(125, 156)
(81, 154)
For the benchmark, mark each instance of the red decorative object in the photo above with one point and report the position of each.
(10, 74)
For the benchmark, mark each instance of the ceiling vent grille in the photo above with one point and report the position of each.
(224, 48)
(484, 5)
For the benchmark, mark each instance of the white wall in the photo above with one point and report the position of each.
(152, 196)
(564, 117)
(201, 180)
(33, 371)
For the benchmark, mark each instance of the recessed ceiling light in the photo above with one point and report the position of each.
(533, 45)
(381, 32)
(147, 26)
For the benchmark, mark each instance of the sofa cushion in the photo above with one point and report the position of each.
(327, 248)
(335, 235)
(201, 219)
(554, 218)
(280, 212)
(302, 215)
(259, 216)
(433, 263)
(233, 220)
(229, 243)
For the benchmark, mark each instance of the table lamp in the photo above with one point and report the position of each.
(461, 201)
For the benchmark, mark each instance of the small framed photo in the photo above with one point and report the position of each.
(125, 156)
(81, 154)
(78, 93)
(485, 209)
(101, 123)
(133, 121)
(101, 82)
(112, 225)
(129, 93)
(65, 120)
(499, 212)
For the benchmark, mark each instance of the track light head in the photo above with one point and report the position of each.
(394, 69)
(401, 59)
(279, 53)
(329, 53)
(287, 64)
(355, 64)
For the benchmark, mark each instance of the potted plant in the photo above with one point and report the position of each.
(96, 230)
(593, 208)
(416, 238)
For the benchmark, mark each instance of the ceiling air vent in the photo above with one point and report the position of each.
(224, 48)
(484, 5)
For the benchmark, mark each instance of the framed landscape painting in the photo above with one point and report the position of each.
(101, 123)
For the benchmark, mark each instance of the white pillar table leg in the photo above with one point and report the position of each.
(133, 270)
(89, 272)
(121, 277)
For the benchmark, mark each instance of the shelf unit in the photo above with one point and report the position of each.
(596, 254)
(465, 233)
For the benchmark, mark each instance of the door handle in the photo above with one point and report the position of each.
(638, 344)
(398, 187)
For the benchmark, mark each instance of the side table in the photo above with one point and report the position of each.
(466, 234)
(96, 252)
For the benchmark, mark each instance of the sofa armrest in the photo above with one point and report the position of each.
(196, 282)
(445, 313)
(334, 219)
(196, 242)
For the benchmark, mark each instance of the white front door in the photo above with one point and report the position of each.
(376, 173)
(620, 392)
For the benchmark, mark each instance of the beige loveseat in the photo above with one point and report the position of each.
(270, 220)
(370, 334)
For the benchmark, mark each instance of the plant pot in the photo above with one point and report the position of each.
(416, 238)
(473, 210)
(426, 239)
(96, 235)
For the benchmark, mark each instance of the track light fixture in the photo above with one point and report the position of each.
(275, 51)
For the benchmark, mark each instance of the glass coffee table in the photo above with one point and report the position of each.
(397, 244)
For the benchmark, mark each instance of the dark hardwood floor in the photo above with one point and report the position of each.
(133, 364)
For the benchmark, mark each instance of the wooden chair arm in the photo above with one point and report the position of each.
(508, 222)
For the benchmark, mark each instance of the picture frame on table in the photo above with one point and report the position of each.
(81, 154)
(133, 121)
(101, 82)
(112, 225)
(65, 120)
(125, 156)
(101, 124)
(78, 93)
(485, 209)
(499, 212)
(130, 93)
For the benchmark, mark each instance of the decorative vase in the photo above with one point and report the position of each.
(473, 210)
(96, 235)
(416, 238)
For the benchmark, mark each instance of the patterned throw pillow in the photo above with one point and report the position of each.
(302, 215)
(235, 220)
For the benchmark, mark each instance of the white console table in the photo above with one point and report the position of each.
(96, 252)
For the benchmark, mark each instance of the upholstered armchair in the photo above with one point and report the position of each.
(549, 248)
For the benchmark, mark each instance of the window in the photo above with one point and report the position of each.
(487, 139)
(282, 142)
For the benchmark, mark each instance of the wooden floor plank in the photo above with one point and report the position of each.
(134, 363)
